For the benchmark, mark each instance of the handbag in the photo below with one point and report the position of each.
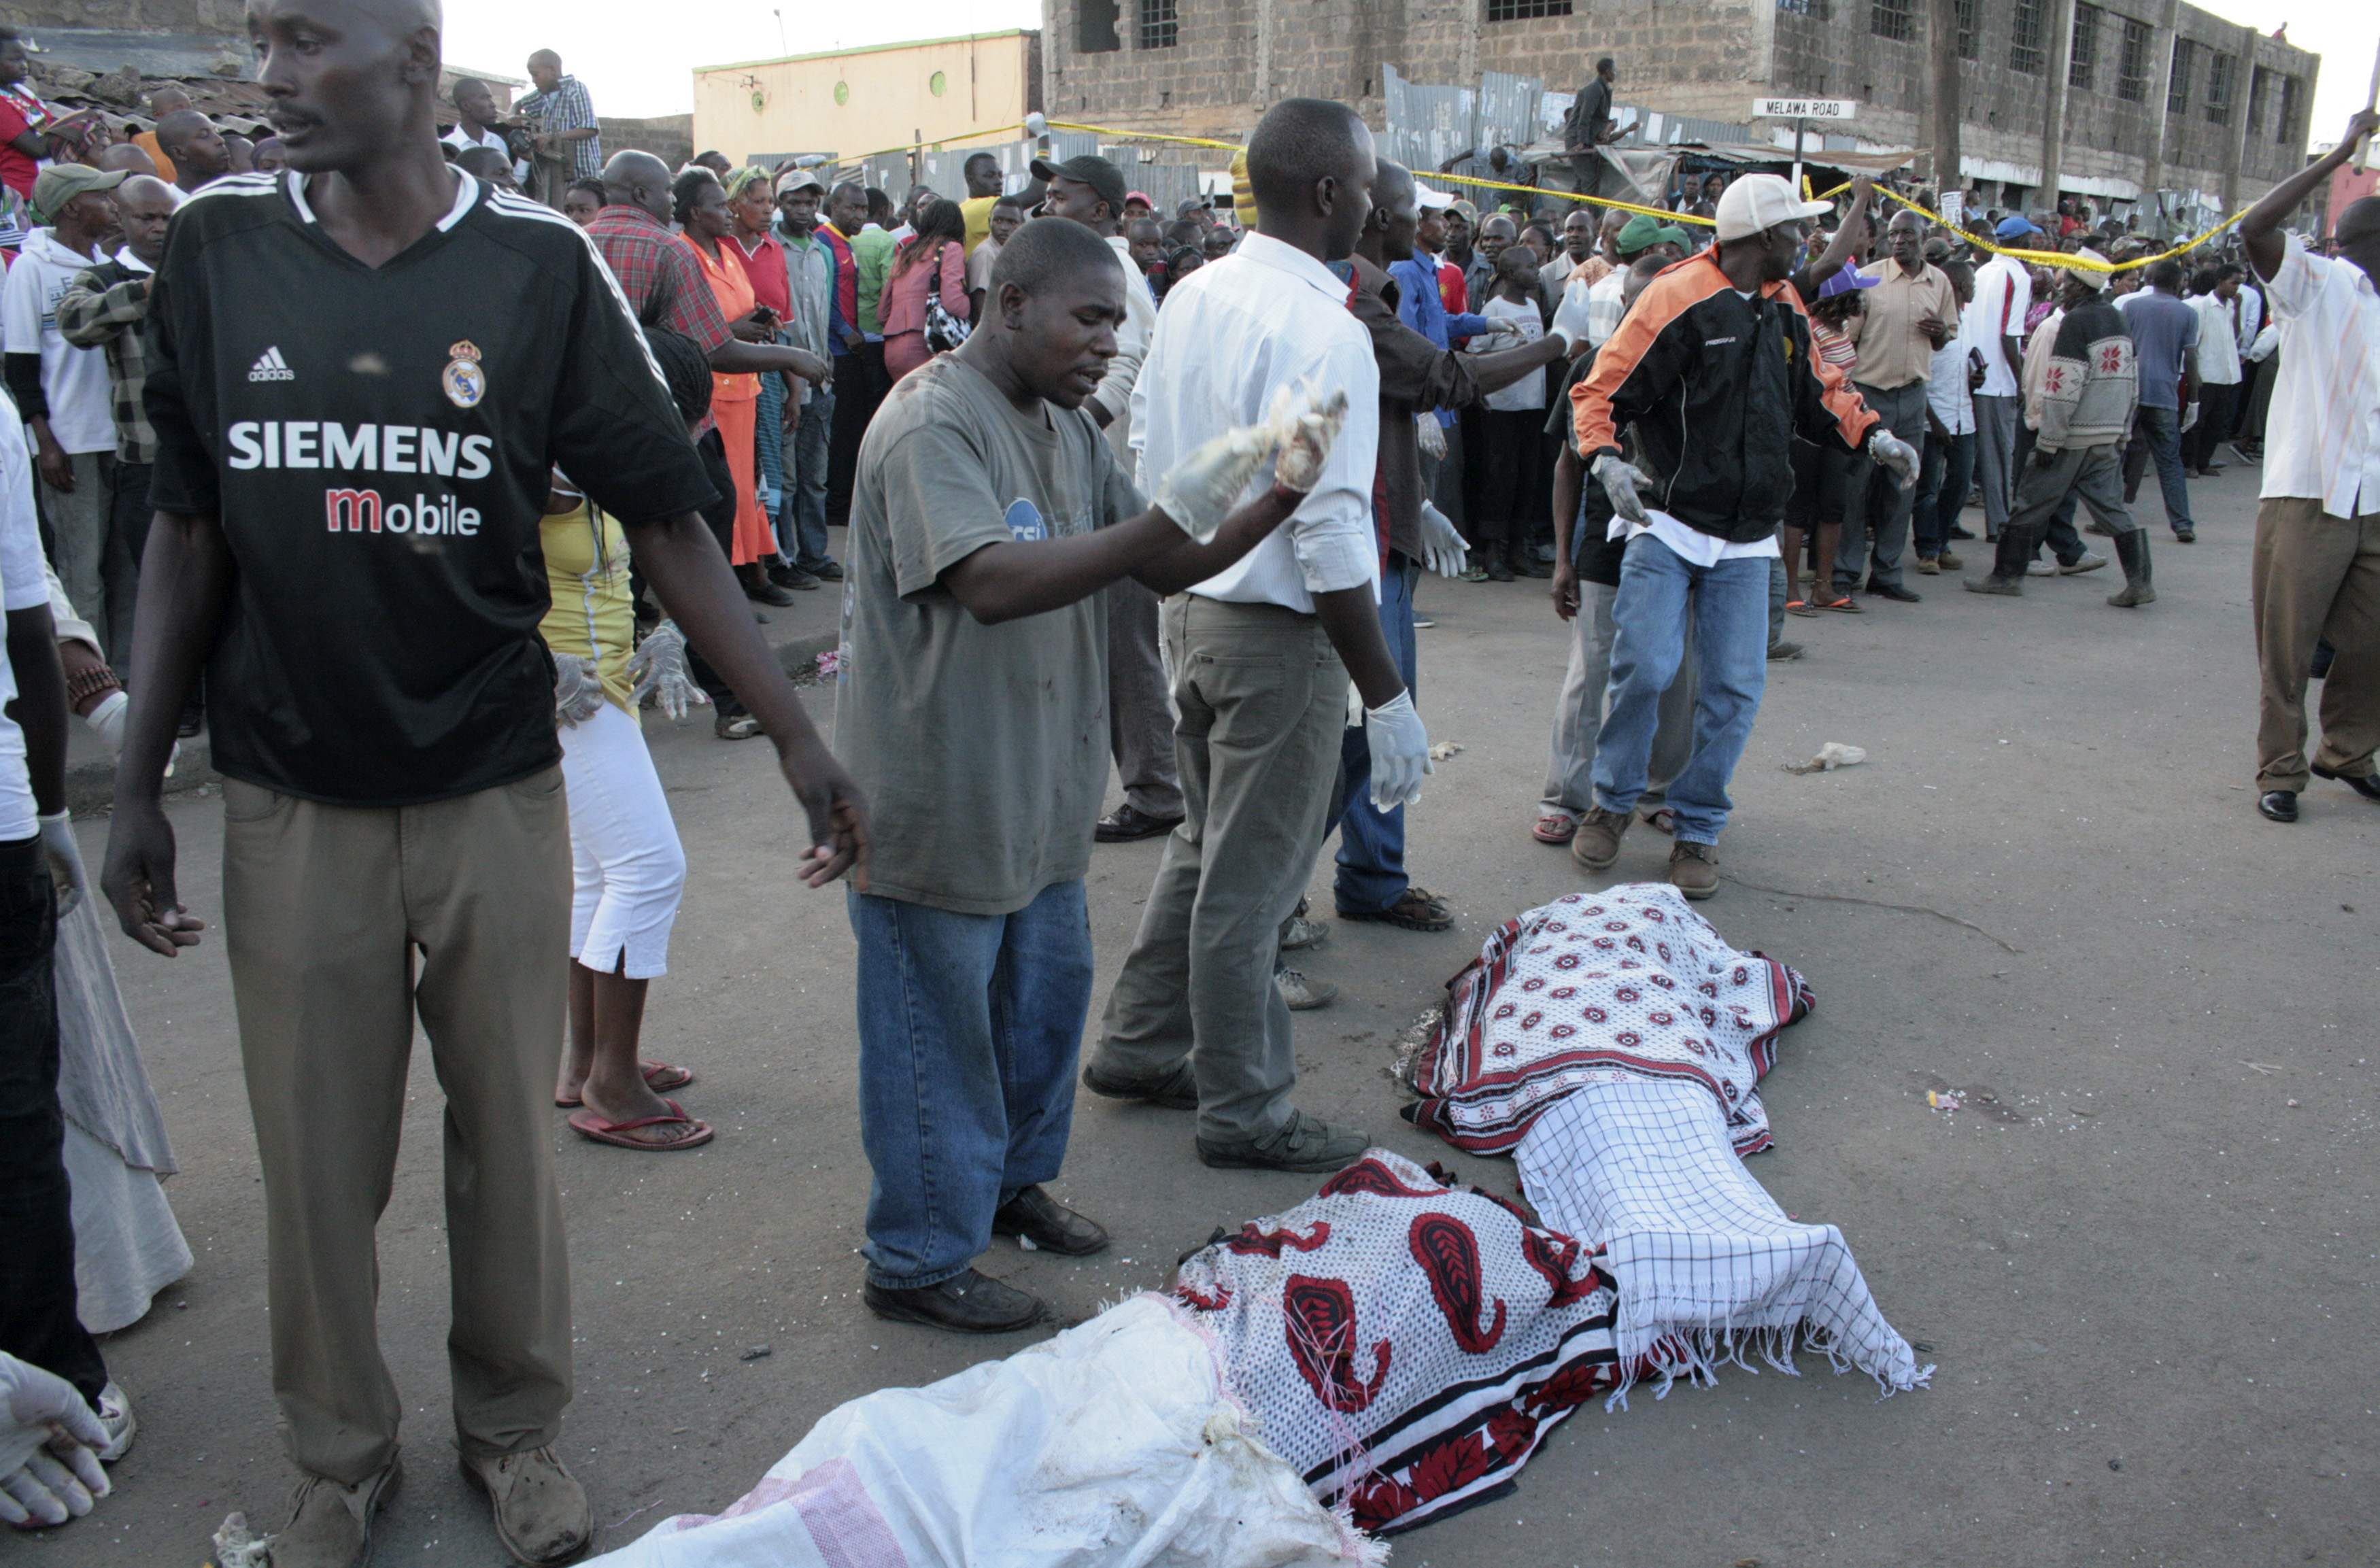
(944, 332)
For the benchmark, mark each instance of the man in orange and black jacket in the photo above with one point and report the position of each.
(1712, 370)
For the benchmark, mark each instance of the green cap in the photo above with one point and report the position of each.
(1642, 233)
(61, 183)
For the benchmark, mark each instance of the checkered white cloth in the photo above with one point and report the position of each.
(1706, 1265)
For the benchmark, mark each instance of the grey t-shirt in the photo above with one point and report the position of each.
(983, 750)
(2164, 330)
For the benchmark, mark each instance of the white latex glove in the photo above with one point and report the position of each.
(1306, 438)
(106, 720)
(1569, 316)
(1894, 456)
(1035, 124)
(658, 667)
(578, 690)
(1400, 752)
(66, 860)
(1429, 435)
(1619, 480)
(49, 1444)
(2190, 416)
(1442, 549)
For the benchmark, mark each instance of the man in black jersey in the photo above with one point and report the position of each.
(363, 372)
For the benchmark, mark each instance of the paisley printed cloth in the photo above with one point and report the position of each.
(1629, 983)
(1404, 1344)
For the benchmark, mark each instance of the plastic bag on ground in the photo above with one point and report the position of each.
(1113, 1445)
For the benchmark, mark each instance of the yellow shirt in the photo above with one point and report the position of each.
(592, 615)
(976, 211)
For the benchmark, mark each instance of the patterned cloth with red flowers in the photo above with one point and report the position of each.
(1629, 983)
(1404, 1344)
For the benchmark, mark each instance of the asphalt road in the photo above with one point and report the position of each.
(2145, 1267)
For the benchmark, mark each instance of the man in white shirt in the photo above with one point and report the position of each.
(2317, 560)
(2218, 370)
(1261, 657)
(62, 391)
(475, 120)
(41, 877)
(1090, 190)
(1994, 324)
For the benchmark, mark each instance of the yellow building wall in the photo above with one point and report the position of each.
(863, 101)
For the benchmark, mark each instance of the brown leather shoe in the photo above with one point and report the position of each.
(331, 1524)
(541, 1513)
(1693, 869)
(1597, 844)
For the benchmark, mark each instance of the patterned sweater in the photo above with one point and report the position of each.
(2086, 395)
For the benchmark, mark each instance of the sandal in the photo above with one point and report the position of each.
(1843, 602)
(1416, 909)
(1661, 820)
(620, 1134)
(1800, 606)
(1555, 827)
(660, 1077)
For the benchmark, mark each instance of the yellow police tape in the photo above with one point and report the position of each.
(2039, 258)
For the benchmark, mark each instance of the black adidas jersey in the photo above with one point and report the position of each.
(376, 443)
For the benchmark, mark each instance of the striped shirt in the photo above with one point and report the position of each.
(567, 107)
(2322, 436)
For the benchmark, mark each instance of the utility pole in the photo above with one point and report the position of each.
(2053, 128)
(2160, 94)
(2243, 98)
(1949, 105)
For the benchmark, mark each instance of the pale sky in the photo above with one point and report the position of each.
(638, 56)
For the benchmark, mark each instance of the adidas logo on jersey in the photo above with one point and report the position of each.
(271, 366)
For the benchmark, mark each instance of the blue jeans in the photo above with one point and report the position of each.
(1372, 842)
(801, 511)
(969, 1029)
(1942, 491)
(2160, 431)
(1729, 605)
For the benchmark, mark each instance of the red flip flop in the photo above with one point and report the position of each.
(1554, 828)
(660, 1077)
(594, 1128)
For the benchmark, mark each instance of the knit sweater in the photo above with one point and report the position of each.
(2087, 396)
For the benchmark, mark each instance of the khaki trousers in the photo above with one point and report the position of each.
(1263, 698)
(2316, 577)
(341, 923)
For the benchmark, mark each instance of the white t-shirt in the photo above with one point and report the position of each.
(23, 584)
(2003, 295)
(2218, 342)
(1529, 391)
(458, 137)
(74, 381)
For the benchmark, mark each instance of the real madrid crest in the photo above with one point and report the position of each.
(465, 383)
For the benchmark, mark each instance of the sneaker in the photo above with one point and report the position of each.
(1302, 932)
(2086, 562)
(1300, 994)
(736, 726)
(1779, 652)
(2041, 568)
(331, 1524)
(1597, 844)
(1308, 1144)
(967, 1303)
(541, 1513)
(114, 1413)
(1034, 1216)
(1693, 869)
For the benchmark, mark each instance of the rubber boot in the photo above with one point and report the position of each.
(2132, 550)
(2017, 544)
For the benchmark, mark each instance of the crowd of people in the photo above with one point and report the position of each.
(1119, 490)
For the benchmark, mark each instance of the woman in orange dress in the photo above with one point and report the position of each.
(702, 212)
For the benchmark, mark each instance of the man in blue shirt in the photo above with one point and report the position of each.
(2164, 343)
(1422, 307)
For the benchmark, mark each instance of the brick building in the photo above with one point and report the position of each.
(2144, 94)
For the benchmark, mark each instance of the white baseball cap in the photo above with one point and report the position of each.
(1756, 203)
(1430, 200)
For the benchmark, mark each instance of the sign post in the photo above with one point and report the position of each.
(1802, 111)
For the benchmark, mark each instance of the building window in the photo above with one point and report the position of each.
(2259, 81)
(2185, 63)
(1526, 11)
(2219, 90)
(2083, 64)
(1816, 10)
(2025, 50)
(2292, 126)
(1889, 18)
(2133, 67)
(1095, 27)
(1160, 26)
(1970, 30)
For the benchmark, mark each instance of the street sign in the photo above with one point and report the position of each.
(1804, 108)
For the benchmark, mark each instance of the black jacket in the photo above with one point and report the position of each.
(1714, 387)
